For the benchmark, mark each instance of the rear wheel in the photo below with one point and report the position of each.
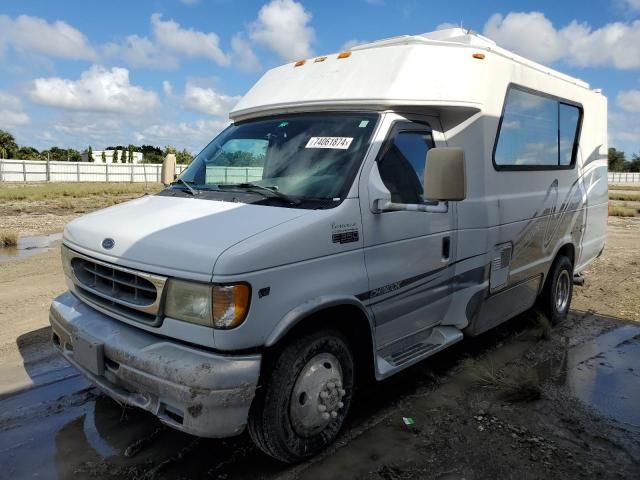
(555, 299)
(305, 397)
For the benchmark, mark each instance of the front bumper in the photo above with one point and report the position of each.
(190, 389)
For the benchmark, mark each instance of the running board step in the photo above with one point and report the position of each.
(430, 342)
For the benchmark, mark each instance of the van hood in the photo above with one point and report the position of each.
(169, 235)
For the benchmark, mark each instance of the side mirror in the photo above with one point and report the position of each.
(445, 176)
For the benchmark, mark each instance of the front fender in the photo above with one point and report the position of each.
(314, 305)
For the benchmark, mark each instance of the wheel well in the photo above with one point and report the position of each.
(349, 320)
(568, 251)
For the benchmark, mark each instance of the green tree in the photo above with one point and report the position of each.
(184, 156)
(131, 149)
(151, 154)
(103, 157)
(170, 149)
(28, 153)
(634, 164)
(115, 156)
(617, 160)
(74, 155)
(57, 154)
(123, 157)
(8, 145)
(89, 154)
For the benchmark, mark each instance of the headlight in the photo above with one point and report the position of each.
(218, 306)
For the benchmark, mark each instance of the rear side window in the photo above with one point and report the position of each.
(537, 132)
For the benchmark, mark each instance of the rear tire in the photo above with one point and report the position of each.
(305, 397)
(555, 299)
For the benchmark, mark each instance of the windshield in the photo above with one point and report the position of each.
(313, 156)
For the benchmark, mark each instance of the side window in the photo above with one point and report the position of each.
(402, 165)
(536, 131)
(569, 118)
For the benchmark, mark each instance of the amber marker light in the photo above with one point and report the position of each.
(479, 56)
(299, 63)
(344, 54)
(230, 305)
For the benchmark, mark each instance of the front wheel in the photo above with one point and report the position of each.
(305, 397)
(555, 299)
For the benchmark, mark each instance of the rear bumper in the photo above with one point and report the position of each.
(190, 389)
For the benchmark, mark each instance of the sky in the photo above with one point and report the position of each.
(167, 72)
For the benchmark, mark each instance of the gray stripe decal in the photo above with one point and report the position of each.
(395, 286)
(448, 287)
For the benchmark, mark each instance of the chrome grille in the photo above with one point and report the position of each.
(118, 285)
(129, 293)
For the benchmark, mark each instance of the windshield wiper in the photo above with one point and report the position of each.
(272, 192)
(184, 182)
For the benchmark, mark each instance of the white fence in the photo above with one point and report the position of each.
(624, 177)
(43, 171)
(25, 171)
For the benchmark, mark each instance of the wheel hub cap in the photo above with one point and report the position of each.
(317, 395)
(563, 287)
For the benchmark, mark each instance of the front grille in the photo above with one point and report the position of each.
(127, 293)
(115, 284)
(114, 307)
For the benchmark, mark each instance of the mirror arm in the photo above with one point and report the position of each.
(387, 206)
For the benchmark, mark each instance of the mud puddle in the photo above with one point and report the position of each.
(604, 373)
(28, 246)
(67, 429)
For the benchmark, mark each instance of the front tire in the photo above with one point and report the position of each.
(305, 397)
(555, 299)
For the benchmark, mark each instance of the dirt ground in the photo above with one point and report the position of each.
(45, 208)
(523, 401)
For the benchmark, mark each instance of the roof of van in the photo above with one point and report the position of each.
(433, 68)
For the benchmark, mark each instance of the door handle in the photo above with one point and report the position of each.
(446, 247)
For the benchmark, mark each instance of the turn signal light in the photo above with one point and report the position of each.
(230, 305)
(299, 63)
(344, 54)
(479, 56)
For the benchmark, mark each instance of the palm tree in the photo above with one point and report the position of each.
(8, 144)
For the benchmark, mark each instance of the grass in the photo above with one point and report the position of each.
(625, 197)
(544, 324)
(8, 238)
(514, 391)
(47, 191)
(68, 198)
(625, 187)
(622, 211)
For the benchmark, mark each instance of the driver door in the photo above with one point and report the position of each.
(406, 252)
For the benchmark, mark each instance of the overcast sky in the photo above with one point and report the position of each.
(78, 73)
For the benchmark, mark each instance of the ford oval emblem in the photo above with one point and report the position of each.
(108, 243)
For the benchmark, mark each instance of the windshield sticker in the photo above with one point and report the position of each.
(341, 143)
(363, 123)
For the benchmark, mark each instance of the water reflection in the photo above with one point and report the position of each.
(605, 373)
(28, 246)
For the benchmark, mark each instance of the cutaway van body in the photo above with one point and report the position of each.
(362, 212)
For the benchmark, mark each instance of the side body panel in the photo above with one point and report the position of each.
(534, 212)
(409, 278)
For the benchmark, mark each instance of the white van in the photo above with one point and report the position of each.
(362, 211)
